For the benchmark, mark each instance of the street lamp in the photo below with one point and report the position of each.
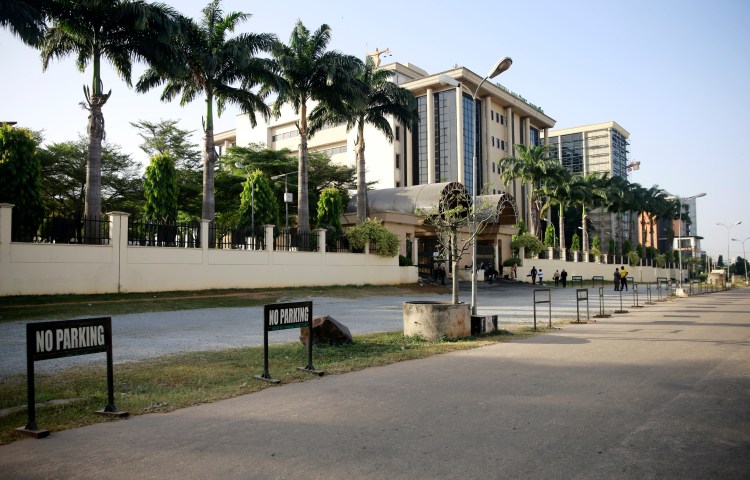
(287, 195)
(500, 66)
(744, 258)
(682, 201)
(728, 227)
(252, 195)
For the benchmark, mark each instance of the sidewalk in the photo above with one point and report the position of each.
(657, 393)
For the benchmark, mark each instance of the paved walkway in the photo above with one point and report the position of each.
(661, 392)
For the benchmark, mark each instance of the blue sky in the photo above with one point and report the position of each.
(674, 74)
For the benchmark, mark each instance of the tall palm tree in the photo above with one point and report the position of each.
(618, 201)
(26, 19)
(558, 188)
(377, 99)
(531, 166)
(311, 73)
(119, 31)
(223, 70)
(589, 191)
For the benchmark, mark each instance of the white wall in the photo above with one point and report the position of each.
(42, 268)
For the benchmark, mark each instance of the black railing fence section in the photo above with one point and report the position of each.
(238, 238)
(337, 243)
(293, 240)
(164, 234)
(55, 228)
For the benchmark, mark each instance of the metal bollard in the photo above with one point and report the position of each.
(582, 294)
(549, 301)
(648, 295)
(621, 310)
(635, 297)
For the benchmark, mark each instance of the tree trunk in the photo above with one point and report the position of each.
(361, 182)
(303, 204)
(454, 262)
(93, 202)
(584, 231)
(561, 226)
(209, 163)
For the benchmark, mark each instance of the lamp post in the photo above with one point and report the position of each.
(287, 195)
(500, 66)
(744, 258)
(682, 201)
(252, 196)
(728, 227)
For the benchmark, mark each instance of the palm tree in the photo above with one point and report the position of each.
(531, 166)
(558, 189)
(119, 31)
(618, 201)
(211, 65)
(589, 190)
(377, 99)
(26, 19)
(310, 73)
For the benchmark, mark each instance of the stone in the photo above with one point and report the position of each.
(326, 330)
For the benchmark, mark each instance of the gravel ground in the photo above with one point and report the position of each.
(147, 335)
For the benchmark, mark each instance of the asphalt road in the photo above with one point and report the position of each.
(659, 393)
(146, 335)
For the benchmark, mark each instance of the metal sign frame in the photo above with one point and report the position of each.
(283, 316)
(601, 313)
(576, 278)
(549, 301)
(67, 338)
(581, 295)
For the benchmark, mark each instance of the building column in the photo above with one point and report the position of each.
(546, 136)
(414, 251)
(430, 137)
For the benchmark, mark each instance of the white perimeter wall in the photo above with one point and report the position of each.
(39, 268)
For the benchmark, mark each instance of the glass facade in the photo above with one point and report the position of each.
(571, 148)
(534, 137)
(619, 154)
(446, 138)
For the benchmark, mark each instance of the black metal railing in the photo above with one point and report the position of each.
(238, 238)
(164, 234)
(93, 230)
(293, 240)
(337, 243)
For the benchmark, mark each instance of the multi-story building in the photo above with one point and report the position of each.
(601, 147)
(440, 148)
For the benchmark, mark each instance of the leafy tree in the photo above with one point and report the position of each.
(209, 65)
(116, 30)
(529, 242)
(375, 101)
(589, 191)
(20, 176)
(558, 188)
(330, 209)
(63, 179)
(626, 247)
(160, 188)
(596, 245)
(549, 236)
(165, 137)
(257, 195)
(311, 73)
(612, 250)
(454, 214)
(575, 243)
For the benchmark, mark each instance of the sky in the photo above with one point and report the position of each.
(674, 74)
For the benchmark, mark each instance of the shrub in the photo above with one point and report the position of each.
(549, 236)
(404, 261)
(529, 242)
(386, 242)
(512, 261)
(575, 243)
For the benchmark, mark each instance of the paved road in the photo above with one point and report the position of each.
(138, 336)
(659, 393)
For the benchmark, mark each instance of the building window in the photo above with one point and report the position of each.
(502, 144)
(398, 160)
(502, 119)
(493, 141)
(492, 114)
(493, 167)
(398, 132)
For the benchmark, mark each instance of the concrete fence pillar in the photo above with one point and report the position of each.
(6, 222)
(269, 237)
(414, 251)
(118, 241)
(321, 241)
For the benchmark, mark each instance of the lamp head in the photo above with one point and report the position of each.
(239, 165)
(502, 65)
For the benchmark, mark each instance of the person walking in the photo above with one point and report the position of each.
(616, 279)
(556, 278)
(513, 273)
(541, 275)
(564, 277)
(532, 273)
(623, 278)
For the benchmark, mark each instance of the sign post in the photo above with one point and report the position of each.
(67, 338)
(283, 316)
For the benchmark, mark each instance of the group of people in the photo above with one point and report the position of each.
(620, 278)
(558, 277)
